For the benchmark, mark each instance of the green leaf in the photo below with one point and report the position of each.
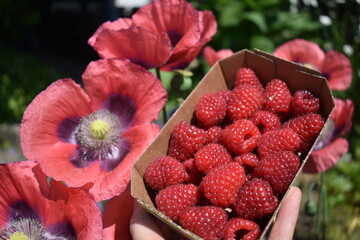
(231, 14)
(257, 18)
(263, 43)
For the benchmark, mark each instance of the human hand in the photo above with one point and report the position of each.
(143, 226)
(284, 226)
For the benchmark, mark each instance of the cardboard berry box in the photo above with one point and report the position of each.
(222, 76)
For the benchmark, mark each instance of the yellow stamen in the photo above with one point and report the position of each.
(18, 236)
(99, 129)
(308, 65)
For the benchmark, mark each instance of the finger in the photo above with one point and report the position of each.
(285, 222)
(143, 226)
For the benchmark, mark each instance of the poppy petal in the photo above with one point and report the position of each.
(40, 128)
(121, 23)
(208, 25)
(301, 51)
(211, 56)
(322, 159)
(112, 183)
(106, 78)
(117, 215)
(337, 69)
(342, 116)
(148, 49)
(84, 215)
(55, 162)
(20, 192)
(177, 18)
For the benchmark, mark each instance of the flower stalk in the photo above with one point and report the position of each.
(164, 111)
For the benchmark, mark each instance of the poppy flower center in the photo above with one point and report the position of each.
(99, 129)
(23, 229)
(326, 136)
(98, 138)
(18, 236)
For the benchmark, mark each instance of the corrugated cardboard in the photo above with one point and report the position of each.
(222, 76)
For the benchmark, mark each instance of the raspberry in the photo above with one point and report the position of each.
(225, 94)
(265, 120)
(210, 156)
(206, 221)
(273, 141)
(304, 102)
(248, 159)
(211, 109)
(185, 141)
(277, 97)
(193, 174)
(222, 184)
(308, 127)
(164, 171)
(255, 199)
(247, 76)
(237, 225)
(213, 134)
(173, 199)
(278, 169)
(240, 137)
(244, 101)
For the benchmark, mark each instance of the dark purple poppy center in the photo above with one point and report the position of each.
(98, 135)
(24, 222)
(327, 136)
(174, 36)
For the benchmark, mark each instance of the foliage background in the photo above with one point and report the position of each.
(41, 42)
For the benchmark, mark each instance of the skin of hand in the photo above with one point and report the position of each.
(143, 226)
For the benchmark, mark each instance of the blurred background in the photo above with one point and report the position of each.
(42, 41)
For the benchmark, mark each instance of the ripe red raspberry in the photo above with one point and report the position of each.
(308, 127)
(210, 156)
(304, 102)
(255, 200)
(240, 137)
(279, 170)
(277, 97)
(213, 134)
(222, 183)
(211, 109)
(273, 141)
(185, 141)
(239, 225)
(265, 121)
(247, 76)
(173, 199)
(206, 221)
(247, 159)
(164, 171)
(194, 176)
(225, 94)
(244, 101)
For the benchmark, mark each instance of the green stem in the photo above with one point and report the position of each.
(164, 112)
(318, 213)
(321, 215)
(325, 209)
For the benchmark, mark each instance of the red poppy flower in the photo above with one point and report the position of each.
(164, 33)
(333, 65)
(331, 146)
(117, 215)
(30, 208)
(211, 56)
(93, 138)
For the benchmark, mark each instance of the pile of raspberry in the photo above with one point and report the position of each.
(225, 174)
